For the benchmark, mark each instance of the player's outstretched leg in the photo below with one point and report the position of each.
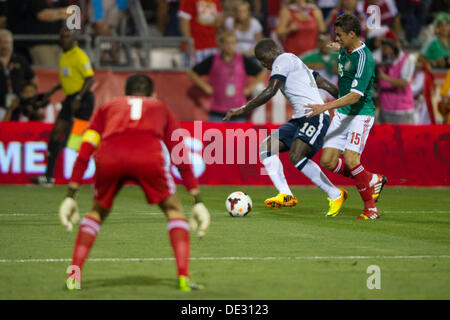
(363, 180)
(297, 156)
(87, 233)
(274, 168)
(376, 183)
(180, 241)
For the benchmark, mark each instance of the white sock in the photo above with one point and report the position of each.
(315, 174)
(274, 169)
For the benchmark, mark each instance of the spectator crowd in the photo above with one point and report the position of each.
(409, 40)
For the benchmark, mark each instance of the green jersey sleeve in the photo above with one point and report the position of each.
(365, 69)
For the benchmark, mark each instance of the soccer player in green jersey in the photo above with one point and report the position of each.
(354, 116)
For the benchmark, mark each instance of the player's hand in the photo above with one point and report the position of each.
(312, 110)
(68, 213)
(233, 113)
(335, 46)
(200, 219)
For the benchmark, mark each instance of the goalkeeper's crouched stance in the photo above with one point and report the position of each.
(126, 135)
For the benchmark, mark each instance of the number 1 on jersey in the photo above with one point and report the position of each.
(136, 108)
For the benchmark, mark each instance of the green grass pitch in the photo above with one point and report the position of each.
(291, 253)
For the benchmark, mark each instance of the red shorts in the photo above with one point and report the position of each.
(115, 167)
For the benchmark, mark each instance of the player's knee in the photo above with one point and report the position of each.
(295, 157)
(264, 146)
(328, 163)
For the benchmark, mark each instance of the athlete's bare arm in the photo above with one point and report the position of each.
(260, 99)
(326, 85)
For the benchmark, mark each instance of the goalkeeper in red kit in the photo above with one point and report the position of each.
(126, 135)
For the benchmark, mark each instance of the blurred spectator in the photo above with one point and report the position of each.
(167, 18)
(374, 38)
(28, 106)
(444, 105)
(247, 29)
(422, 87)
(199, 20)
(15, 73)
(350, 7)
(413, 18)
(394, 82)
(3, 18)
(228, 73)
(324, 61)
(436, 51)
(228, 7)
(389, 14)
(273, 10)
(299, 26)
(47, 18)
(326, 6)
(19, 22)
(106, 15)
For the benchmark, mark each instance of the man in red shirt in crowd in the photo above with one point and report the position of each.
(126, 134)
(199, 20)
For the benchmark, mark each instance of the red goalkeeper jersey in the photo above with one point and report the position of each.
(133, 127)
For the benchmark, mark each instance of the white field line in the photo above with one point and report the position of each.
(230, 258)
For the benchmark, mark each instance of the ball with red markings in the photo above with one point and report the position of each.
(238, 204)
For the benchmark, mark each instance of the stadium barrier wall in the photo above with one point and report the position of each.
(227, 154)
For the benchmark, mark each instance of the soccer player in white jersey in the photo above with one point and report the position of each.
(301, 136)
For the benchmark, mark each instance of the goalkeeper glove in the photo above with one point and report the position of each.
(68, 211)
(200, 219)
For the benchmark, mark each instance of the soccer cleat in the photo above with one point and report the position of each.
(43, 181)
(336, 205)
(369, 214)
(186, 284)
(378, 187)
(281, 200)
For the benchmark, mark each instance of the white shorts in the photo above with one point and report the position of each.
(348, 132)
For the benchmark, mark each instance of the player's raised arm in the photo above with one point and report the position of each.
(260, 99)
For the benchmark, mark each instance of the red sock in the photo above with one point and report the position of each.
(179, 239)
(87, 233)
(362, 179)
(342, 169)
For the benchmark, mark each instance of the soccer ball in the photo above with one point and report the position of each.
(238, 204)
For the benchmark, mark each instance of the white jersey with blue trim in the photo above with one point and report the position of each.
(299, 86)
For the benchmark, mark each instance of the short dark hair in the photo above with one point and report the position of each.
(265, 45)
(139, 84)
(391, 44)
(349, 22)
